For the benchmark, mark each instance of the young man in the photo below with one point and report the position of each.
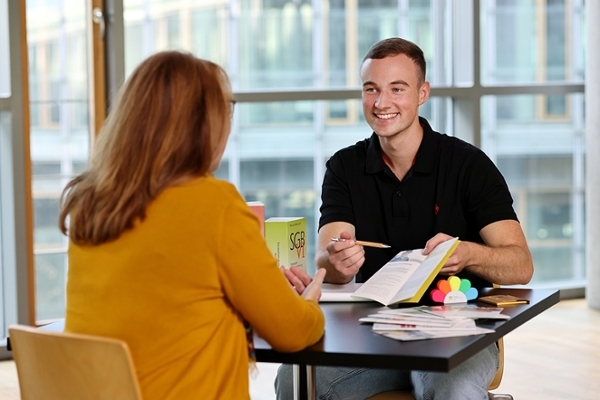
(411, 187)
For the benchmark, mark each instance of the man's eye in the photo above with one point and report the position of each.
(369, 90)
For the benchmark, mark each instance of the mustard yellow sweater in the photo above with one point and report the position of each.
(176, 287)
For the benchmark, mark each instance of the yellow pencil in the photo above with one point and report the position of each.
(363, 243)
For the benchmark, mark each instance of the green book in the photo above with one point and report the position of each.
(286, 238)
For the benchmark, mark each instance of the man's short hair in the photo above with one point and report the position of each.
(392, 47)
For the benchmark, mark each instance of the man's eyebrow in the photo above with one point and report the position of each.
(398, 82)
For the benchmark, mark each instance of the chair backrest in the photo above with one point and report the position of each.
(63, 366)
(498, 377)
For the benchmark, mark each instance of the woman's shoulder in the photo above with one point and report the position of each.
(204, 189)
(210, 182)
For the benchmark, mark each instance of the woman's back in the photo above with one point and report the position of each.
(174, 287)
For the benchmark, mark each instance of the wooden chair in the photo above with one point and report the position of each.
(59, 366)
(405, 395)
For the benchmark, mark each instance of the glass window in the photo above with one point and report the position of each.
(531, 41)
(57, 46)
(51, 279)
(286, 44)
(277, 149)
(542, 159)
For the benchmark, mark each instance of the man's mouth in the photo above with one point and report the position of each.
(386, 116)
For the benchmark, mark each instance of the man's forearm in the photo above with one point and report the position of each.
(504, 265)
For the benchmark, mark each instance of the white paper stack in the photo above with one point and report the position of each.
(418, 323)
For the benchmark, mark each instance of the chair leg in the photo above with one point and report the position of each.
(494, 396)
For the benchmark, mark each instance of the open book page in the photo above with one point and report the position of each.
(386, 282)
(426, 272)
(406, 276)
(331, 292)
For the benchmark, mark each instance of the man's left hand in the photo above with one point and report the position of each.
(456, 262)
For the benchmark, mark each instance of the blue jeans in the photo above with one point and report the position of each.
(468, 381)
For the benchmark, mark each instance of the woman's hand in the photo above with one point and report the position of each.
(303, 284)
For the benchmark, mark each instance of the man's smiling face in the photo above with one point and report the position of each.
(391, 94)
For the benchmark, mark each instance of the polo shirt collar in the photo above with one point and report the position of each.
(427, 155)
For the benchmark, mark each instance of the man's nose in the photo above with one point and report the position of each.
(382, 101)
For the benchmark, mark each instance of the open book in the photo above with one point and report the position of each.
(406, 277)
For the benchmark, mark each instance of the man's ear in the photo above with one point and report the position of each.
(424, 92)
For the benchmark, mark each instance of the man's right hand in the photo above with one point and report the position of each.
(343, 259)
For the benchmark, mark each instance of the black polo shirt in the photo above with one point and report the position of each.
(453, 188)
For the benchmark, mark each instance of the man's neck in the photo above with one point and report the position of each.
(400, 151)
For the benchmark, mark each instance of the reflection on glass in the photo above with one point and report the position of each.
(541, 156)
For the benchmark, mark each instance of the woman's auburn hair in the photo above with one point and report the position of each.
(166, 123)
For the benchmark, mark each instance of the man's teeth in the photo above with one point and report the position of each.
(386, 116)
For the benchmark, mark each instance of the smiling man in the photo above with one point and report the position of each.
(411, 187)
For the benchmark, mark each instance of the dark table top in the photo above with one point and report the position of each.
(348, 342)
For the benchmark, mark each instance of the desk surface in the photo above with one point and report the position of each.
(347, 342)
